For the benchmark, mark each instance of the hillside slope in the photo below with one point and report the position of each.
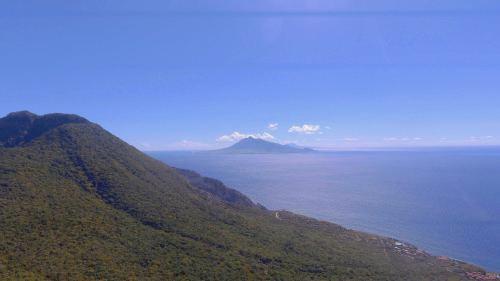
(217, 189)
(77, 203)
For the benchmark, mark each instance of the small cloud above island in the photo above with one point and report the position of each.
(272, 126)
(236, 136)
(307, 129)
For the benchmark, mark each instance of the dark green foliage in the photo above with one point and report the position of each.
(77, 203)
(23, 126)
(217, 189)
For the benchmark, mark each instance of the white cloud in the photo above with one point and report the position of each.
(480, 138)
(273, 126)
(187, 144)
(307, 129)
(236, 136)
(178, 145)
(351, 139)
(403, 139)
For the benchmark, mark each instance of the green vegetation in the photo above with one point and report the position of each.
(217, 188)
(77, 203)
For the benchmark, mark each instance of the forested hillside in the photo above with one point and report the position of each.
(77, 203)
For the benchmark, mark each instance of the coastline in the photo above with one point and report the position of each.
(416, 247)
(470, 270)
(277, 190)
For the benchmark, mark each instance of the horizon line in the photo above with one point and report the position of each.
(364, 148)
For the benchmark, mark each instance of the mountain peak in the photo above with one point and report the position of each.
(252, 145)
(21, 114)
(252, 139)
(22, 126)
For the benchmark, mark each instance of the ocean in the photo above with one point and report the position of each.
(445, 201)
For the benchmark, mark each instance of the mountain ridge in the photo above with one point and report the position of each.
(218, 189)
(77, 203)
(22, 126)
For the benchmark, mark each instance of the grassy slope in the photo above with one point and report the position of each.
(77, 203)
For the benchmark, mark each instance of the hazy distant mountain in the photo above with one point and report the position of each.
(77, 203)
(252, 145)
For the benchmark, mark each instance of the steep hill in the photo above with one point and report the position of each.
(217, 189)
(77, 203)
(252, 145)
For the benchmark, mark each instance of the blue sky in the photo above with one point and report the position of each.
(200, 74)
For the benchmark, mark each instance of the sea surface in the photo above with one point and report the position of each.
(445, 201)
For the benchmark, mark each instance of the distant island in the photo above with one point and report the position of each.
(253, 145)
